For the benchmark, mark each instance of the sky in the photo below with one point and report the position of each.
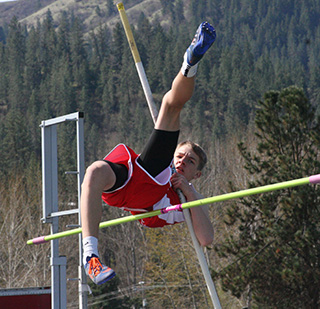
(7, 0)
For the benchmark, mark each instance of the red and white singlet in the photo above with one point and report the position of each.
(141, 192)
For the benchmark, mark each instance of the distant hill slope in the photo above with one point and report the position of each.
(20, 9)
(93, 13)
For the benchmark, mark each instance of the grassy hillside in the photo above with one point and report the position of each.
(20, 9)
(93, 13)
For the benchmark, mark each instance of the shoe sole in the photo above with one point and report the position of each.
(207, 33)
(203, 33)
(107, 279)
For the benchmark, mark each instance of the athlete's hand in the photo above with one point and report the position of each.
(180, 182)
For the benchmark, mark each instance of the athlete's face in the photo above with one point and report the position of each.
(186, 162)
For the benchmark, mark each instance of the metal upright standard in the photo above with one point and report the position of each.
(51, 212)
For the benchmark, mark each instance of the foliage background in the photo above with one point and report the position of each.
(61, 63)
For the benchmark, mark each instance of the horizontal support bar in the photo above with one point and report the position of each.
(63, 213)
(210, 200)
(61, 119)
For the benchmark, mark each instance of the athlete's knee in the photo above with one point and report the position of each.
(172, 103)
(98, 175)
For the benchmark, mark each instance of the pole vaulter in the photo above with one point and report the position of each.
(153, 110)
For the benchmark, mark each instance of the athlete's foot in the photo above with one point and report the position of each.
(203, 39)
(98, 272)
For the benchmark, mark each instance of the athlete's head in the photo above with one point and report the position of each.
(189, 160)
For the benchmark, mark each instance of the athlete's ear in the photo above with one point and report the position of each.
(197, 175)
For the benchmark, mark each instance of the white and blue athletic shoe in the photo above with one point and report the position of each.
(203, 39)
(98, 272)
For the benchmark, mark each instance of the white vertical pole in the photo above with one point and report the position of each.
(83, 294)
(137, 60)
(203, 263)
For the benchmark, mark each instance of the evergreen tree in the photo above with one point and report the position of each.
(99, 47)
(47, 44)
(16, 62)
(314, 85)
(2, 36)
(110, 8)
(143, 42)
(109, 98)
(178, 12)
(34, 120)
(117, 47)
(63, 39)
(276, 250)
(156, 60)
(62, 90)
(16, 144)
(104, 77)
(3, 74)
(78, 55)
(32, 77)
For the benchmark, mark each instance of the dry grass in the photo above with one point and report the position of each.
(87, 10)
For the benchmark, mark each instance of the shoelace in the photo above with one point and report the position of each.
(95, 266)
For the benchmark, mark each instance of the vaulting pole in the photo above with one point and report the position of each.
(138, 63)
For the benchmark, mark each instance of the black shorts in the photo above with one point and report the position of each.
(155, 157)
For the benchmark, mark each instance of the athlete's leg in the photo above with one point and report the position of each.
(173, 102)
(99, 177)
(159, 150)
(183, 84)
